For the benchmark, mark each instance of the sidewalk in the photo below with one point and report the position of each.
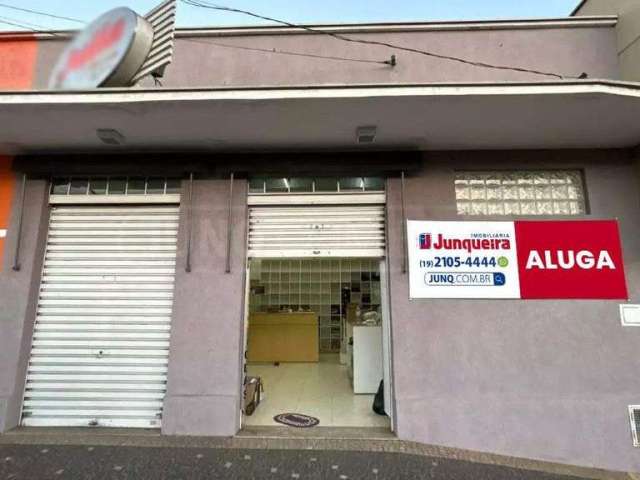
(257, 453)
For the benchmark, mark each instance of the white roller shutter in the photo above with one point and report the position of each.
(317, 231)
(101, 341)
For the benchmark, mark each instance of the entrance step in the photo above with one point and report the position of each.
(368, 433)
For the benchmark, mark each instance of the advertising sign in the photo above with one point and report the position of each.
(463, 260)
(522, 259)
(108, 52)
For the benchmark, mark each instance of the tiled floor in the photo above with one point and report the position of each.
(321, 390)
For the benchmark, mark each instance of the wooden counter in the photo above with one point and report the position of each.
(283, 337)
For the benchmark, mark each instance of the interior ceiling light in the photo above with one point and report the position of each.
(366, 134)
(110, 136)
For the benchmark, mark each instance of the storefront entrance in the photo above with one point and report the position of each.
(315, 339)
(317, 326)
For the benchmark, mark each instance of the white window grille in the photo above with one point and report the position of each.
(115, 185)
(541, 192)
(272, 185)
(114, 190)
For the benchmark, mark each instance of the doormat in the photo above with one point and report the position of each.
(297, 420)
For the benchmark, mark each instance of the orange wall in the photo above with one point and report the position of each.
(7, 182)
(17, 69)
(18, 63)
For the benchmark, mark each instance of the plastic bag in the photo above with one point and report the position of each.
(378, 400)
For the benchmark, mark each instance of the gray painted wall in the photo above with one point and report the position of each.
(18, 297)
(203, 390)
(628, 31)
(200, 63)
(541, 379)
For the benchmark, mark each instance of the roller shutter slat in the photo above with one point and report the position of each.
(109, 279)
(104, 255)
(105, 286)
(73, 241)
(103, 395)
(115, 413)
(99, 344)
(96, 361)
(99, 353)
(119, 404)
(103, 320)
(95, 387)
(63, 327)
(109, 302)
(106, 377)
(97, 371)
(317, 231)
(49, 421)
(83, 310)
(95, 291)
(101, 336)
(119, 248)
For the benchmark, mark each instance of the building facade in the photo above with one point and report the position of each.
(196, 158)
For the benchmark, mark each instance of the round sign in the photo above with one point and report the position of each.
(108, 52)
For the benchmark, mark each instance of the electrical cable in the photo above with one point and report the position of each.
(285, 52)
(22, 22)
(44, 14)
(203, 4)
(25, 25)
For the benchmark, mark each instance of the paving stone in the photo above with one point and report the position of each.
(174, 463)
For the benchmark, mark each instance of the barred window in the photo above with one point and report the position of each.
(542, 192)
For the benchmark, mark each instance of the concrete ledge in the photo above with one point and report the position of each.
(277, 438)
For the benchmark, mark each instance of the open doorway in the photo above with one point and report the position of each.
(316, 336)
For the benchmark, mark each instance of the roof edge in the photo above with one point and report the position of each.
(133, 92)
(387, 27)
(381, 27)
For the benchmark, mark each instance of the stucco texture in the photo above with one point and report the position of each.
(628, 31)
(548, 380)
(7, 181)
(18, 63)
(203, 390)
(228, 61)
(18, 297)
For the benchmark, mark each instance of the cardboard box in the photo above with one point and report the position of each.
(351, 313)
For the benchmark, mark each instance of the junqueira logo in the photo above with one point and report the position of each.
(424, 241)
(474, 242)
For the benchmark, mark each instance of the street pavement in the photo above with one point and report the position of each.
(35, 462)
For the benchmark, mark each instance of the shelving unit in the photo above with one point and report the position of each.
(316, 285)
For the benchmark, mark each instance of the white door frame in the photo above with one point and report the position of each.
(245, 339)
(387, 344)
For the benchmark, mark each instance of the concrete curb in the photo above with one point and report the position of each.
(308, 440)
